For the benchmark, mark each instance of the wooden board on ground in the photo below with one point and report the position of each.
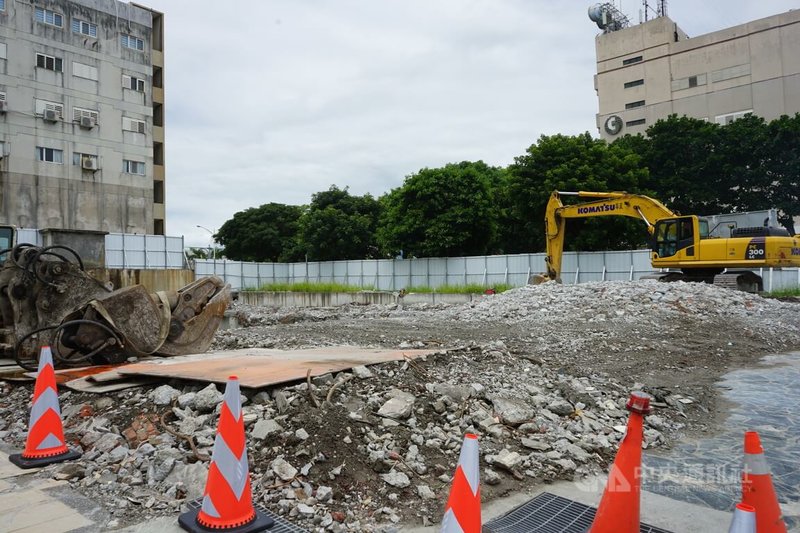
(262, 367)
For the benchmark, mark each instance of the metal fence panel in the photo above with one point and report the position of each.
(396, 274)
(720, 224)
(29, 236)
(138, 251)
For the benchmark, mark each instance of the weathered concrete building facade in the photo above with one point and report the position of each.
(82, 115)
(652, 70)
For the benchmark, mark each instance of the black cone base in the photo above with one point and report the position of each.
(21, 462)
(188, 521)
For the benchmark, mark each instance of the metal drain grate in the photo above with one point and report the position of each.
(281, 525)
(548, 513)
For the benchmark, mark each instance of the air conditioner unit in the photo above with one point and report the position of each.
(50, 115)
(89, 163)
(3, 106)
(87, 122)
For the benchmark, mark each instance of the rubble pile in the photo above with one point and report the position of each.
(541, 374)
(388, 435)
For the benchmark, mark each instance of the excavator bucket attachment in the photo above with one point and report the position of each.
(196, 316)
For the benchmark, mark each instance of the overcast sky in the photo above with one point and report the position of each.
(274, 100)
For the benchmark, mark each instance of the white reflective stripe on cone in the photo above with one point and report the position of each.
(45, 358)
(450, 523)
(468, 459)
(208, 507)
(756, 464)
(744, 519)
(233, 399)
(47, 400)
(232, 469)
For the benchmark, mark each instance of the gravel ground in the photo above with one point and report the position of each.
(541, 373)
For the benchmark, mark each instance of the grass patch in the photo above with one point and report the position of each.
(309, 286)
(472, 288)
(312, 286)
(783, 293)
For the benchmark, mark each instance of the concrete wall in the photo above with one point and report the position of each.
(63, 194)
(153, 280)
(752, 67)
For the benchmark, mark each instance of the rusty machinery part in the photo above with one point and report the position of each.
(29, 359)
(84, 346)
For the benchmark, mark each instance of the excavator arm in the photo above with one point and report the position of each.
(643, 208)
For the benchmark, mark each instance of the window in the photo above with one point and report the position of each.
(78, 113)
(49, 62)
(158, 192)
(632, 60)
(2, 48)
(133, 167)
(132, 124)
(634, 105)
(730, 117)
(130, 82)
(129, 41)
(687, 83)
(2, 5)
(634, 83)
(84, 160)
(81, 70)
(637, 122)
(83, 27)
(49, 17)
(44, 105)
(50, 155)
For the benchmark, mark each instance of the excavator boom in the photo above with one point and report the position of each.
(643, 208)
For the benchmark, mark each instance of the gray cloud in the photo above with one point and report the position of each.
(273, 100)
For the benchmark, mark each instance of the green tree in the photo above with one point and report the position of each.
(265, 233)
(338, 225)
(686, 166)
(575, 163)
(783, 168)
(437, 212)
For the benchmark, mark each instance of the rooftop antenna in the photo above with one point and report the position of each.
(659, 11)
(608, 18)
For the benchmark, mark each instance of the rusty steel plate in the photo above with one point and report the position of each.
(262, 367)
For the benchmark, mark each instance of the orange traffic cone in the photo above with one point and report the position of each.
(744, 519)
(462, 514)
(45, 444)
(227, 501)
(757, 489)
(618, 511)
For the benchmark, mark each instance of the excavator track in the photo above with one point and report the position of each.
(742, 280)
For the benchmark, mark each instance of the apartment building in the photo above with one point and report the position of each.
(652, 70)
(82, 115)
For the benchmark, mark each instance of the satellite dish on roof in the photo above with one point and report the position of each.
(607, 17)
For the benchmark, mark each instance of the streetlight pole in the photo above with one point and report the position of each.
(213, 248)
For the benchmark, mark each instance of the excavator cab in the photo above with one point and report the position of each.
(672, 235)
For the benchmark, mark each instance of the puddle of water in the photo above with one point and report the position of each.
(708, 471)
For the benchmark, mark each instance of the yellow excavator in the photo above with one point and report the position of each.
(682, 244)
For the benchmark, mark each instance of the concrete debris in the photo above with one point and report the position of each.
(540, 373)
